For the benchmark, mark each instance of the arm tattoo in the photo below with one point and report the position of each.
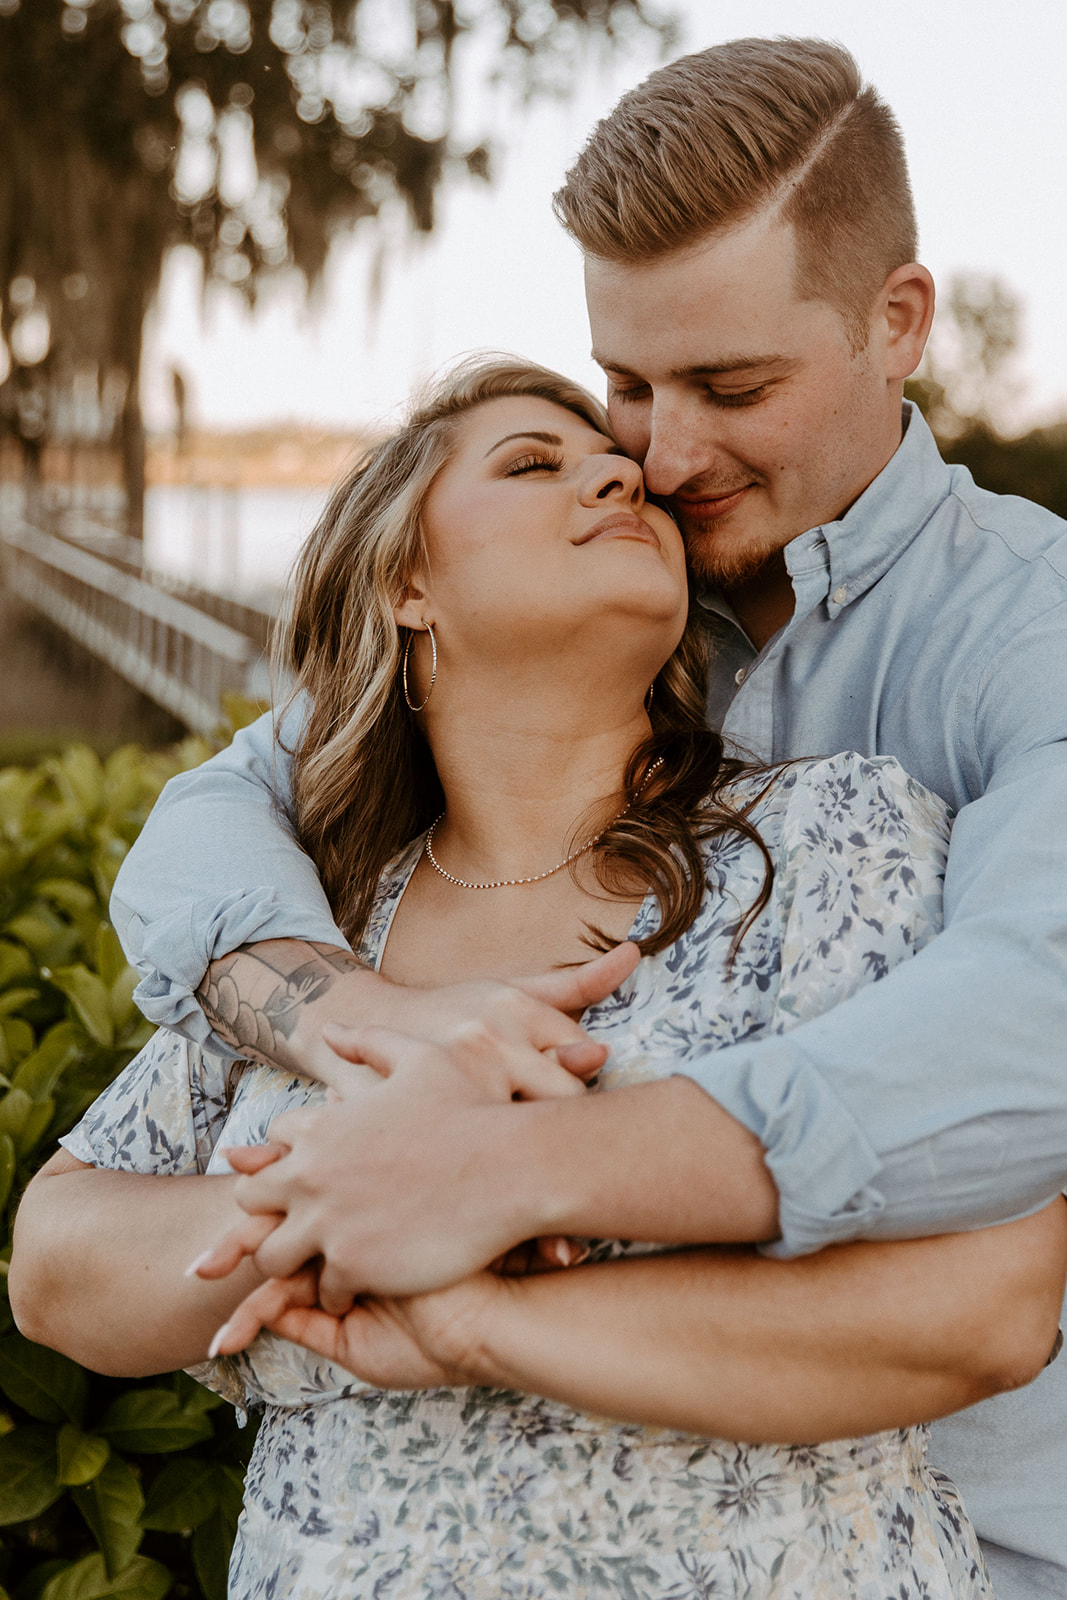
(253, 999)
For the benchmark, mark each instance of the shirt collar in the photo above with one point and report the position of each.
(845, 558)
(889, 514)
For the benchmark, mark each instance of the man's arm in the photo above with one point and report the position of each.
(853, 1340)
(725, 1343)
(935, 1100)
(215, 867)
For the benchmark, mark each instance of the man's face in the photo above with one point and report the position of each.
(750, 412)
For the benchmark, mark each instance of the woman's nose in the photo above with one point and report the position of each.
(612, 478)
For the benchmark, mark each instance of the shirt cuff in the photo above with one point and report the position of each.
(821, 1160)
(172, 959)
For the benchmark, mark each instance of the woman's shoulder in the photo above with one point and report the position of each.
(849, 797)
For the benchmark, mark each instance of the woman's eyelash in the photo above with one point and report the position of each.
(533, 463)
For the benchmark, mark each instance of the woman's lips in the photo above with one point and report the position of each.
(621, 525)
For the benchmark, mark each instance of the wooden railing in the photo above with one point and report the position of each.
(171, 649)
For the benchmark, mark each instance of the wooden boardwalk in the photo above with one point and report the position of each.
(182, 648)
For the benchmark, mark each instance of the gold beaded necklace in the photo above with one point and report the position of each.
(511, 883)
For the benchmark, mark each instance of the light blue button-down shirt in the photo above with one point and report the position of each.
(930, 624)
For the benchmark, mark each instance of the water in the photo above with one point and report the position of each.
(236, 542)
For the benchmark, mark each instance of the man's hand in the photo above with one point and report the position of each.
(273, 1001)
(365, 1180)
(393, 1185)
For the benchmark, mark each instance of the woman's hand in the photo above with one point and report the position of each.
(308, 1209)
(422, 1342)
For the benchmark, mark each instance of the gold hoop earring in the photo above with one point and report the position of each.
(433, 667)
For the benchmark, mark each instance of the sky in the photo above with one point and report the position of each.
(980, 90)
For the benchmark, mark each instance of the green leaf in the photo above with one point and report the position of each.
(89, 997)
(34, 1127)
(80, 777)
(80, 1455)
(182, 1495)
(45, 934)
(41, 1381)
(110, 958)
(27, 1474)
(88, 1579)
(112, 1504)
(123, 1008)
(12, 999)
(15, 1107)
(15, 963)
(151, 1421)
(18, 1039)
(212, 1546)
(41, 1071)
(193, 1395)
(7, 1166)
(66, 893)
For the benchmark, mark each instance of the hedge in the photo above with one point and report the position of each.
(107, 1486)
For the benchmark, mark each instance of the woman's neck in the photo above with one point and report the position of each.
(521, 793)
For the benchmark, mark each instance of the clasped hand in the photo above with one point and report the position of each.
(363, 1213)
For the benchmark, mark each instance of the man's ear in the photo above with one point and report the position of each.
(907, 306)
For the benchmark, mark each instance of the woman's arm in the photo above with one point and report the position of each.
(99, 1261)
(728, 1344)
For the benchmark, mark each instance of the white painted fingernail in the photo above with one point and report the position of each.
(213, 1347)
(194, 1266)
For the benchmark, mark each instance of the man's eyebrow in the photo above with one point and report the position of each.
(703, 369)
(546, 438)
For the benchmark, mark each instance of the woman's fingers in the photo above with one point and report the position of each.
(262, 1308)
(241, 1241)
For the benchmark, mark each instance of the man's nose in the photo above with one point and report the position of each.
(681, 447)
(613, 478)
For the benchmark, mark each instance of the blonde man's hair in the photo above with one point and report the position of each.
(753, 125)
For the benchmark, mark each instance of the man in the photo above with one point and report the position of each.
(756, 306)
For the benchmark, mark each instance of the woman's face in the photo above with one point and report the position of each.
(538, 527)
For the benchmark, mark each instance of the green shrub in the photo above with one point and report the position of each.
(107, 1486)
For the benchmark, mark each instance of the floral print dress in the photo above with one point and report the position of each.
(478, 1494)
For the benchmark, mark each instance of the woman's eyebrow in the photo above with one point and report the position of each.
(546, 438)
(527, 433)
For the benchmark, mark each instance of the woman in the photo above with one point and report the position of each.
(506, 747)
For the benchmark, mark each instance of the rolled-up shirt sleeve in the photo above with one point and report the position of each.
(936, 1100)
(217, 866)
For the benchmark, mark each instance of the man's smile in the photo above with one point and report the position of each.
(710, 507)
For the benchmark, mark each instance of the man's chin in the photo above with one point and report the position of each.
(715, 558)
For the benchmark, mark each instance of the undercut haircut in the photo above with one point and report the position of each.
(775, 125)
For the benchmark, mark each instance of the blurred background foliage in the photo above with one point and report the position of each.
(253, 130)
(965, 387)
(107, 1486)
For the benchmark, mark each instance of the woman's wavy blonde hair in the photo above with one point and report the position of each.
(364, 781)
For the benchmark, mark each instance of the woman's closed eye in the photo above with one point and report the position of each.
(534, 461)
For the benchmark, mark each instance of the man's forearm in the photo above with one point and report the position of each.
(98, 1269)
(724, 1343)
(662, 1162)
(271, 1000)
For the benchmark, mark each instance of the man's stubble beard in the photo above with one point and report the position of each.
(714, 562)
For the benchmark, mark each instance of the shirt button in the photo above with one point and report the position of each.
(839, 596)
(740, 675)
